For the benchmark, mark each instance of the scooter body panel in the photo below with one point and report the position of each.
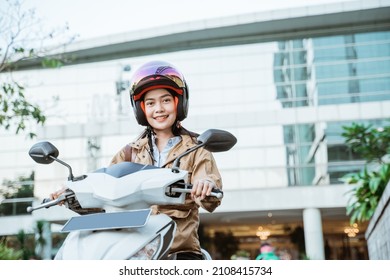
(131, 191)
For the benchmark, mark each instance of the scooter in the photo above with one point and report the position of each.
(113, 204)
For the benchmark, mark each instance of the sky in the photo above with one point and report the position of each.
(95, 18)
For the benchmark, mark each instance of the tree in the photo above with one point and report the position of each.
(22, 38)
(372, 144)
(22, 238)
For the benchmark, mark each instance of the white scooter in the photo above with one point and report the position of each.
(113, 204)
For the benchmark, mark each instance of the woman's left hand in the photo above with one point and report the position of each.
(202, 188)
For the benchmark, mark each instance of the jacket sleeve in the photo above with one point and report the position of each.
(118, 157)
(205, 167)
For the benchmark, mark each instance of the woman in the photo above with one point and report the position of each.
(159, 97)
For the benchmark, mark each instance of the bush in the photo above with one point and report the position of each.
(9, 253)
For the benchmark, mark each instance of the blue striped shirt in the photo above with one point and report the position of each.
(161, 157)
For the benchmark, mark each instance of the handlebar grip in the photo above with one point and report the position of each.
(218, 193)
(45, 200)
(216, 190)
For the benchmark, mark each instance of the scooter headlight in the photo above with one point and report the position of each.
(148, 251)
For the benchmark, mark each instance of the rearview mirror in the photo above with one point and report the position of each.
(215, 140)
(43, 152)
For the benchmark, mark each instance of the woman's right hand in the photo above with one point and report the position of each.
(57, 193)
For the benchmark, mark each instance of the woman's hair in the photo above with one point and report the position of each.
(177, 130)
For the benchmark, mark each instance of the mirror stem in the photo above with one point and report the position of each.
(176, 163)
(70, 177)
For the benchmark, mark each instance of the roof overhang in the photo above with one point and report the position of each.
(225, 32)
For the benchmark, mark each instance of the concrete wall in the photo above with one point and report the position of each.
(378, 231)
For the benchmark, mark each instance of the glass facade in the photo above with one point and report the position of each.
(305, 167)
(333, 70)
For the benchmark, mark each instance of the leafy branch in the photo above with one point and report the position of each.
(22, 37)
(372, 144)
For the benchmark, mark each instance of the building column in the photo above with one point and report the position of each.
(314, 240)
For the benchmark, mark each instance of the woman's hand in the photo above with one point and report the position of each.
(57, 193)
(202, 188)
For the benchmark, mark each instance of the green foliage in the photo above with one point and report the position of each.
(9, 253)
(51, 62)
(23, 245)
(240, 254)
(369, 142)
(23, 37)
(366, 193)
(16, 111)
(372, 144)
(22, 239)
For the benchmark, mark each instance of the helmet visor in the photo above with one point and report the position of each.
(166, 76)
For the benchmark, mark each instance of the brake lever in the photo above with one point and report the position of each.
(47, 202)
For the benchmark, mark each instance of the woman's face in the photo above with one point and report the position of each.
(160, 109)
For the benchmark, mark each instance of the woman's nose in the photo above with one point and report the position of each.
(159, 107)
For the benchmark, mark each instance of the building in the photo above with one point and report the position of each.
(284, 82)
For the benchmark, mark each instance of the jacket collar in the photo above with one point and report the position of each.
(187, 140)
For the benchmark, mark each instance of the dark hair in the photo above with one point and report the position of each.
(265, 244)
(177, 130)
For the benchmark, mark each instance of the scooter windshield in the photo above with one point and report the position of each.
(124, 168)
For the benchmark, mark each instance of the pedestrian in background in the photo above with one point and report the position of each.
(267, 252)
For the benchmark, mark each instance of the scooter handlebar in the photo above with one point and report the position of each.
(47, 203)
(215, 192)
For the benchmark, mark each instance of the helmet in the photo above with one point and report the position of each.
(154, 75)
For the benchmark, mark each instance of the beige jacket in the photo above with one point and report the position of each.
(200, 165)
